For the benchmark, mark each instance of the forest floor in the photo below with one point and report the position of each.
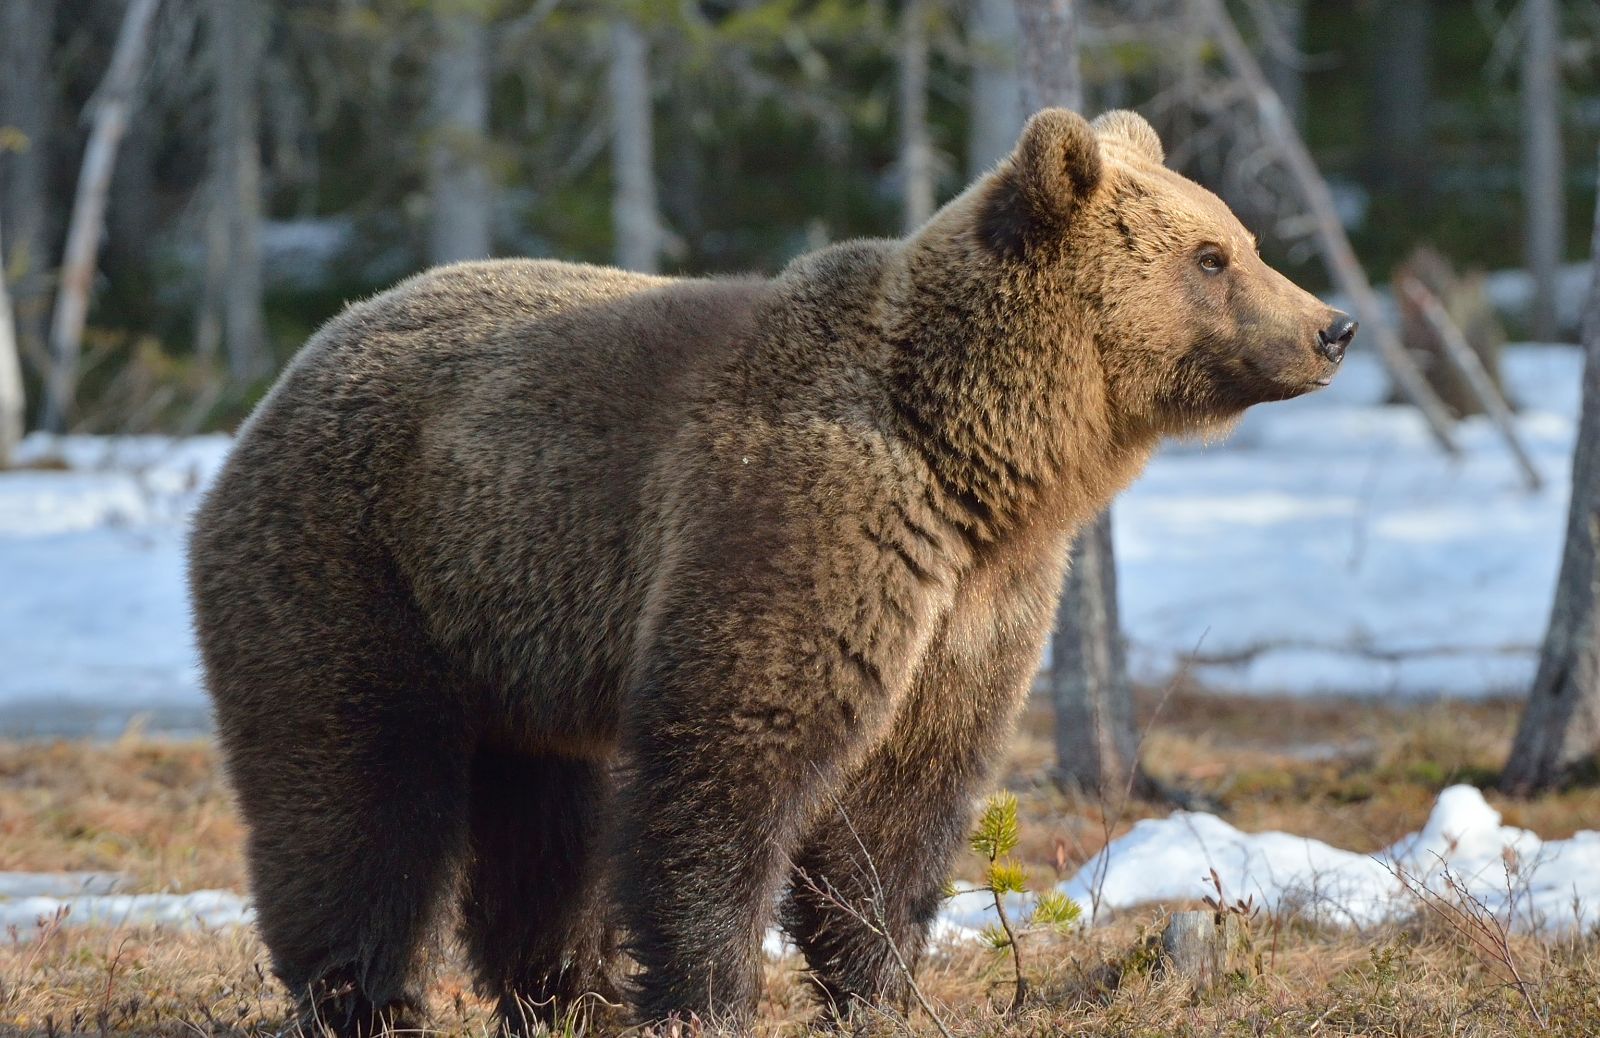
(1356, 773)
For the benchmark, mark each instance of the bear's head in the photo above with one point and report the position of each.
(1191, 326)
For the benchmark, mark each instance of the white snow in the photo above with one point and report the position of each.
(1529, 883)
(94, 623)
(30, 901)
(1327, 546)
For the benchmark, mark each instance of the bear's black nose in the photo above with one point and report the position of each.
(1336, 337)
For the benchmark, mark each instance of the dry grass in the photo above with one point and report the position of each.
(1354, 774)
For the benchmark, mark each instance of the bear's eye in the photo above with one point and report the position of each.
(1212, 261)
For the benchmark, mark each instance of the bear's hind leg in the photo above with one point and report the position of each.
(355, 832)
(347, 742)
(533, 911)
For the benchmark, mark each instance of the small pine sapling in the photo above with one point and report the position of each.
(995, 837)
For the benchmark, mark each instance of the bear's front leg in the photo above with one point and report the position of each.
(868, 883)
(780, 631)
(723, 773)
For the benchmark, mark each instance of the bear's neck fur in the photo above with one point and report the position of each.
(996, 376)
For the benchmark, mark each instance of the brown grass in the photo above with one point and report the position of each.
(1357, 774)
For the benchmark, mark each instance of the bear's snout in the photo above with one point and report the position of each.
(1333, 340)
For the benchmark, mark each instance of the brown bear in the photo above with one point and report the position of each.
(644, 611)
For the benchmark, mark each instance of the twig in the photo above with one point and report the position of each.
(1471, 920)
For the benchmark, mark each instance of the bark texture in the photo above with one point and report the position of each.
(1560, 729)
(1542, 189)
(1050, 68)
(1097, 745)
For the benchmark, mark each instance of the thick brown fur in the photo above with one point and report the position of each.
(603, 591)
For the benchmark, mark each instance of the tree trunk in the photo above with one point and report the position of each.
(633, 206)
(995, 113)
(1400, 96)
(1560, 729)
(463, 198)
(1284, 60)
(916, 153)
(1542, 186)
(112, 107)
(27, 104)
(1096, 744)
(11, 398)
(237, 31)
(1050, 70)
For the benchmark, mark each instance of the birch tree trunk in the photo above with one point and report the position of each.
(1560, 729)
(1096, 743)
(1543, 196)
(460, 227)
(916, 153)
(633, 207)
(995, 113)
(237, 30)
(11, 398)
(27, 104)
(111, 109)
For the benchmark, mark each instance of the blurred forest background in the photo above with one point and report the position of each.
(280, 159)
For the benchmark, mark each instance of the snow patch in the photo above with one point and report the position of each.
(1529, 883)
(35, 901)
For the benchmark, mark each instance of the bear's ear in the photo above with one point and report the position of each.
(1130, 130)
(1057, 161)
(1056, 165)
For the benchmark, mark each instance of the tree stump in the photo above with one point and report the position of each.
(1204, 947)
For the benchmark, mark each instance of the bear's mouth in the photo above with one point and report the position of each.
(1273, 386)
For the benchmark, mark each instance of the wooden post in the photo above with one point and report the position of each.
(1335, 244)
